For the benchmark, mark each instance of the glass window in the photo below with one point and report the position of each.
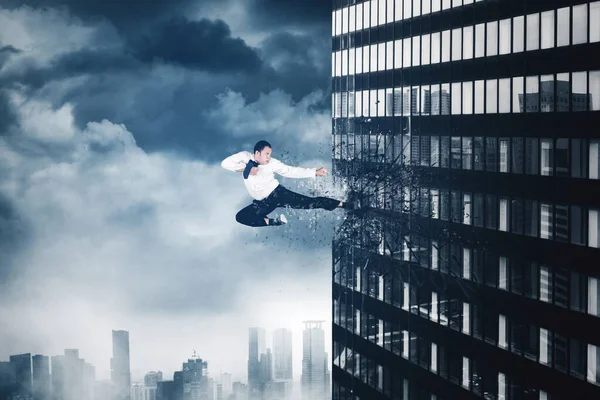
(390, 11)
(435, 47)
(445, 152)
(367, 15)
(562, 92)
(594, 169)
(456, 97)
(533, 32)
(491, 213)
(416, 53)
(594, 90)
(579, 294)
(504, 154)
(518, 100)
(593, 303)
(398, 53)
(516, 216)
(426, 49)
(456, 44)
(505, 36)
(366, 58)
(446, 46)
(503, 223)
(561, 222)
(517, 155)
(397, 10)
(435, 207)
(407, 52)
(467, 97)
(457, 3)
(374, 13)
(478, 210)
(578, 94)
(446, 4)
(373, 57)
(518, 34)
(425, 101)
(595, 21)
(479, 97)
(492, 38)
(491, 91)
(548, 29)
(563, 30)
(531, 156)
(407, 9)
(455, 155)
(444, 101)
(578, 158)
(504, 95)
(435, 151)
(381, 57)
(593, 228)
(435, 99)
(436, 5)
(426, 7)
(478, 154)
(359, 17)
(547, 157)
(546, 221)
(467, 42)
(389, 55)
(479, 40)
(491, 153)
(562, 157)
(532, 103)
(467, 152)
(531, 217)
(547, 93)
(545, 347)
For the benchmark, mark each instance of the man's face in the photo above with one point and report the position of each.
(264, 156)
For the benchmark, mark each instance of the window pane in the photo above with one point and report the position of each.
(467, 152)
(446, 46)
(478, 154)
(425, 100)
(445, 152)
(548, 29)
(595, 21)
(518, 34)
(456, 97)
(455, 152)
(381, 57)
(407, 52)
(373, 57)
(397, 10)
(426, 49)
(445, 99)
(467, 98)
(532, 98)
(492, 38)
(389, 55)
(546, 221)
(533, 32)
(518, 100)
(531, 218)
(577, 225)
(504, 95)
(562, 157)
(479, 97)
(578, 158)
(491, 91)
(579, 88)
(479, 40)
(547, 95)
(467, 42)
(562, 92)
(505, 36)
(398, 53)
(426, 7)
(416, 43)
(491, 153)
(531, 156)
(504, 156)
(456, 44)
(517, 155)
(594, 170)
(436, 5)
(546, 157)
(594, 90)
(435, 151)
(563, 27)
(435, 48)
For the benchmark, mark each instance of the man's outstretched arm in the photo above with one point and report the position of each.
(293, 172)
(236, 162)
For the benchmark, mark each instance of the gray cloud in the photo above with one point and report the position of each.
(305, 14)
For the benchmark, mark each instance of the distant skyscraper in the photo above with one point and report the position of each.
(266, 367)
(22, 366)
(315, 370)
(72, 377)
(119, 365)
(151, 380)
(137, 392)
(282, 354)
(227, 384)
(41, 377)
(196, 384)
(256, 346)
(8, 379)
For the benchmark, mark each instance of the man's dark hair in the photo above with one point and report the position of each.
(261, 145)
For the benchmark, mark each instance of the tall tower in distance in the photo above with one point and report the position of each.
(282, 354)
(120, 374)
(315, 370)
(256, 347)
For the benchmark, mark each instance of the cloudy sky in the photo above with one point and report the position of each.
(114, 210)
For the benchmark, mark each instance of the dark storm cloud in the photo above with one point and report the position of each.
(14, 234)
(205, 45)
(305, 13)
(7, 116)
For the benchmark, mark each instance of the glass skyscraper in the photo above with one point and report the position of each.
(470, 129)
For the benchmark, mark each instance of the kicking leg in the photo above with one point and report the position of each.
(285, 197)
(255, 215)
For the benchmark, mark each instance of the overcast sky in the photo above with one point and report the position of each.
(114, 210)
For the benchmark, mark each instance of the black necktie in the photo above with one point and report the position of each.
(249, 166)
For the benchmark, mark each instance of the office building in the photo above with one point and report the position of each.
(120, 373)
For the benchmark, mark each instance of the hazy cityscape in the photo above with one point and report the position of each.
(270, 373)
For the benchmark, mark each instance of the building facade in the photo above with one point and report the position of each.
(256, 347)
(475, 274)
(315, 378)
(120, 372)
(282, 354)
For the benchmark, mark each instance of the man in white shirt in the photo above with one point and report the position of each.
(258, 170)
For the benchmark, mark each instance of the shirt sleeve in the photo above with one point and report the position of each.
(237, 161)
(292, 172)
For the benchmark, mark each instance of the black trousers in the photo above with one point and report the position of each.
(254, 215)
